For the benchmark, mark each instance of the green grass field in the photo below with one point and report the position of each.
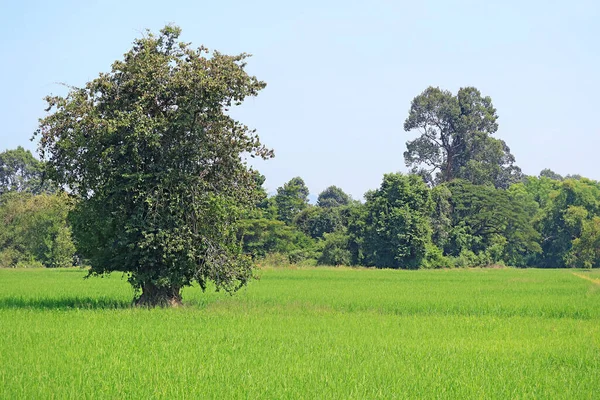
(306, 333)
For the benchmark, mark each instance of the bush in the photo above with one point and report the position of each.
(434, 258)
(10, 258)
(466, 258)
(335, 250)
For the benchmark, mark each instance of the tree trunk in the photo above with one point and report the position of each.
(157, 296)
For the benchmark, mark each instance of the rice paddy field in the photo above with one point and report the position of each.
(314, 333)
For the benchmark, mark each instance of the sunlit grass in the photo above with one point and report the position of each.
(305, 333)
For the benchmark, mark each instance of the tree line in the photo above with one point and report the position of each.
(546, 221)
(464, 203)
(536, 222)
(145, 172)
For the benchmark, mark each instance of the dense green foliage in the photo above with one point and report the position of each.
(567, 217)
(157, 166)
(403, 224)
(305, 333)
(397, 229)
(455, 139)
(464, 204)
(406, 224)
(34, 230)
(20, 171)
(291, 199)
(490, 224)
(156, 170)
(262, 236)
(333, 196)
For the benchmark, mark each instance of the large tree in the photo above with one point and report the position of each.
(397, 230)
(158, 166)
(455, 139)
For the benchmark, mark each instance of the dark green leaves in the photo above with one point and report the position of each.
(396, 227)
(455, 139)
(291, 198)
(21, 172)
(158, 164)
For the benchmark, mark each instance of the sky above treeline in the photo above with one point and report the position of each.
(340, 74)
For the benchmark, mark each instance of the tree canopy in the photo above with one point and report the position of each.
(455, 139)
(158, 166)
(291, 199)
(567, 216)
(20, 171)
(491, 223)
(397, 230)
(333, 196)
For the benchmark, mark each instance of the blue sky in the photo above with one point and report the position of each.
(340, 74)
